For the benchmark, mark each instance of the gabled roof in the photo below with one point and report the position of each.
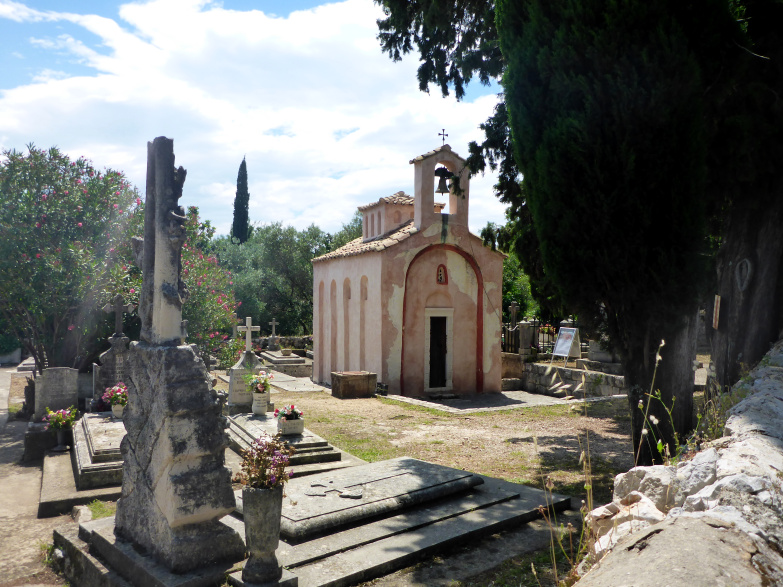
(400, 198)
(378, 243)
(435, 151)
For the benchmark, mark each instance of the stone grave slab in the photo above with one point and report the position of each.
(302, 384)
(56, 388)
(315, 504)
(97, 461)
(58, 487)
(277, 358)
(313, 453)
(293, 365)
(27, 365)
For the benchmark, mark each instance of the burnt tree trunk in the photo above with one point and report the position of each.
(749, 284)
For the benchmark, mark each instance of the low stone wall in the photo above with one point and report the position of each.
(294, 342)
(563, 381)
(716, 519)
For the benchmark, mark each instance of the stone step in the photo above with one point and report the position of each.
(325, 503)
(510, 384)
(58, 487)
(375, 549)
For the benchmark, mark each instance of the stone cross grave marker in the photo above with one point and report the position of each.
(248, 329)
(119, 308)
(273, 339)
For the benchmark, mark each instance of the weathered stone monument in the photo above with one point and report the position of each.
(112, 368)
(175, 485)
(56, 388)
(240, 398)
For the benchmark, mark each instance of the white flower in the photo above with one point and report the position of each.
(654, 420)
(644, 431)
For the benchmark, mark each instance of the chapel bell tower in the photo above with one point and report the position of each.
(424, 187)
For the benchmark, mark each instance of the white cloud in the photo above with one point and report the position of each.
(326, 121)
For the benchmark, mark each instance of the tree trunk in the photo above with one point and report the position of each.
(674, 379)
(749, 269)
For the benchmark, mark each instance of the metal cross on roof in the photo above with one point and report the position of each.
(443, 134)
(118, 307)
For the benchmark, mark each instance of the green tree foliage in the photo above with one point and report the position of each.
(211, 305)
(456, 39)
(273, 276)
(241, 226)
(347, 233)
(605, 105)
(61, 223)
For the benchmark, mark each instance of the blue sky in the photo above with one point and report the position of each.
(300, 88)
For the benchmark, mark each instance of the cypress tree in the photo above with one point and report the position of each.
(241, 227)
(605, 110)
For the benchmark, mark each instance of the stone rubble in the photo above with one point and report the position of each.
(735, 485)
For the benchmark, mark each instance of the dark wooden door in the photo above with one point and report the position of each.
(438, 351)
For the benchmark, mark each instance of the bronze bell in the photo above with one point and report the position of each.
(443, 174)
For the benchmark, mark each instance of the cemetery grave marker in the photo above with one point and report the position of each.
(175, 485)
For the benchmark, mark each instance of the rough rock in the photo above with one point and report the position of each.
(725, 525)
(698, 552)
(657, 483)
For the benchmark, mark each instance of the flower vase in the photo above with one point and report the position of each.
(285, 352)
(261, 510)
(260, 403)
(288, 427)
(61, 447)
(117, 411)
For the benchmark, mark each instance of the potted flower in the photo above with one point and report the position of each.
(117, 398)
(260, 386)
(59, 422)
(263, 476)
(290, 420)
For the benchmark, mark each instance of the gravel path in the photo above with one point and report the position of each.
(21, 532)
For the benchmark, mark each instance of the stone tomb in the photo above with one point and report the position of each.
(96, 456)
(292, 365)
(313, 453)
(56, 388)
(313, 506)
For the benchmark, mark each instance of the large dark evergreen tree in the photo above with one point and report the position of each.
(241, 227)
(605, 107)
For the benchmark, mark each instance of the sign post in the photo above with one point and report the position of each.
(567, 345)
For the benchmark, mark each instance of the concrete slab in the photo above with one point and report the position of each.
(358, 553)
(138, 569)
(315, 504)
(287, 580)
(97, 461)
(296, 384)
(314, 454)
(27, 365)
(58, 487)
(416, 517)
(277, 358)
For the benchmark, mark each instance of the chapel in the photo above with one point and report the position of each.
(416, 299)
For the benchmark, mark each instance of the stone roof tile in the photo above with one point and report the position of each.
(379, 243)
(400, 198)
